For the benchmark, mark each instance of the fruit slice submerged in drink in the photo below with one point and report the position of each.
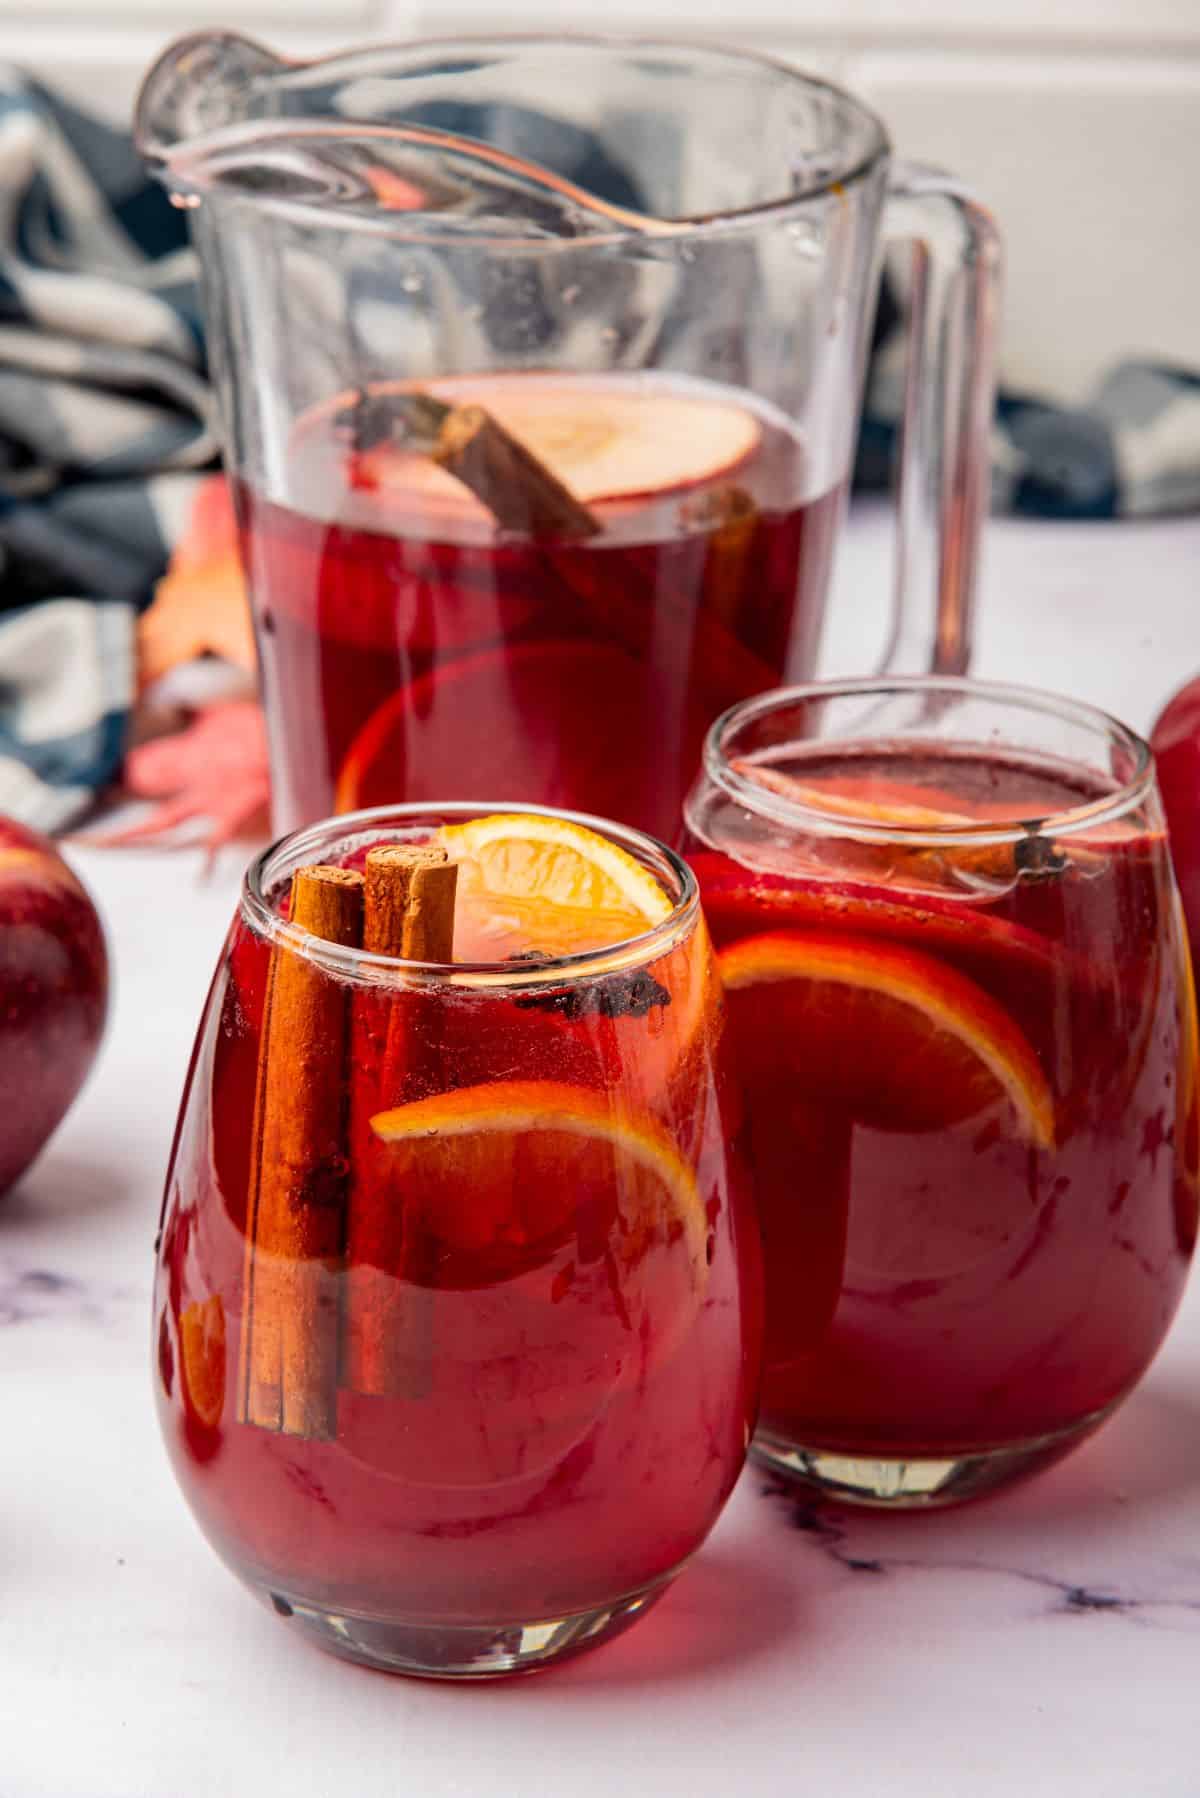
(508, 1173)
(834, 1032)
(547, 1215)
(1018, 965)
(450, 731)
(866, 798)
(900, 1040)
(202, 1359)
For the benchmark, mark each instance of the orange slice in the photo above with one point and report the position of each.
(527, 882)
(202, 1354)
(452, 732)
(902, 1040)
(915, 805)
(506, 1175)
(867, 799)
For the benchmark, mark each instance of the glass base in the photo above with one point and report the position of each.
(459, 1650)
(921, 1483)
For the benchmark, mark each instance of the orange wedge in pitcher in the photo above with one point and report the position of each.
(899, 1039)
(451, 731)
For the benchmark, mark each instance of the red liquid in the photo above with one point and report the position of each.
(412, 651)
(953, 1265)
(578, 1408)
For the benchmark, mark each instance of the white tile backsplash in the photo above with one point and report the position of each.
(1078, 121)
(1091, 169)
(108, 14)
(936, 22)
(1049, 23)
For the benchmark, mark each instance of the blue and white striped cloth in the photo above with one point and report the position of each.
(105, 417)
(104, 414)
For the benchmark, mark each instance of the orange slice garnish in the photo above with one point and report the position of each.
(904, 1041)
(504, 1176)
(536, 883)
(202, 1354)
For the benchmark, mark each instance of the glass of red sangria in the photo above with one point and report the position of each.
(457, 1311)
(959, 990)
(539, 363)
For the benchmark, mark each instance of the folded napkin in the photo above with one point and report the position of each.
(105, 419)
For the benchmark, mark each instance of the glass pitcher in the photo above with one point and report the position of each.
(540, 365)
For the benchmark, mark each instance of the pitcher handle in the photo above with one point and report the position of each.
(949, 390)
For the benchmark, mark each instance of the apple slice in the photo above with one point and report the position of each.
(604, 441)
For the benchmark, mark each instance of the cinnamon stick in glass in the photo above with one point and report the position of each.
(409, 912)
(295, 1226)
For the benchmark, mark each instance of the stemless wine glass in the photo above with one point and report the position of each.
(456, 1308)
(950, 937)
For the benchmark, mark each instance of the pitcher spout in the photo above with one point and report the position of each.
(200, 84)
(220, 113)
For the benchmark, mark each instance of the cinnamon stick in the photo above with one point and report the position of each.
(408, 906)
(520, 492)
(408, 912)
(295, 1223)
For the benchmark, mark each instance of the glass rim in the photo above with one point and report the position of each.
(816, 820)
(194, 153)
(288, 852)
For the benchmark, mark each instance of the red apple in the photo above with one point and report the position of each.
(53, 993)
(1175, 740)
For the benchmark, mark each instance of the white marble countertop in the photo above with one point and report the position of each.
(1044, 1641)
